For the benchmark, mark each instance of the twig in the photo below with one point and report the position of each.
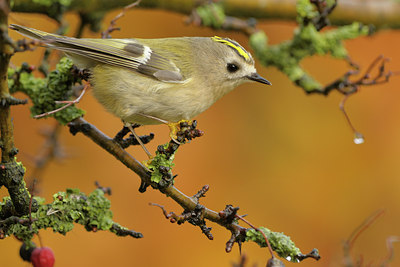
(189, 204)
(121, 231)
(348, 244)
(348, 87)
(258, 230)
(322, 20)
(106, 190)
(362, 227)
(358, 137)
(389, 244)
(195, 216)
(107, 33)
(66, 102)
(89, 130)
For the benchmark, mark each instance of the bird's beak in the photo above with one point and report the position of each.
(256, 77)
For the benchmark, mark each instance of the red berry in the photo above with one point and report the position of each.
(42, 257)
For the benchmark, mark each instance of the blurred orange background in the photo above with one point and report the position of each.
(286, 158)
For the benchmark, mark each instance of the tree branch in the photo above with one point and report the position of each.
(193, 211)
(11, 172)
(380, 13)
(112, 147)
(6, 51)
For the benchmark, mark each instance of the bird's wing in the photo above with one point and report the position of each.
(127, 53)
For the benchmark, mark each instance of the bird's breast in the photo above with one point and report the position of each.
(135, 98)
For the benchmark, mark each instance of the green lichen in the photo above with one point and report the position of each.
(45, 91)
(12, 177)
(69, 207)
(307, 41)
(161, 159)
(305, 10)
(280, 243)
(49, 3)
(212, 15)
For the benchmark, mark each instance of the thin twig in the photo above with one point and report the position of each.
(107, 33)
(389, 244)
(362, 227)
(258, 230)
(67, 102)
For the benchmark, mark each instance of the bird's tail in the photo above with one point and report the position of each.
(35, 34)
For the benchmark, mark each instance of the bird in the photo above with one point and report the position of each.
(154, 81)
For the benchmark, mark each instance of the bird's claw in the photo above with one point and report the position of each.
(175, 127)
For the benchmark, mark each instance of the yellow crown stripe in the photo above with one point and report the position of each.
(229, 43)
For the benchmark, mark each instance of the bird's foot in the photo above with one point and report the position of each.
(177, 127)
(184, 130)
(147, 163)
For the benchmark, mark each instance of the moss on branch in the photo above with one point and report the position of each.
(12, 177)
(280, 243)
(307, 41)
(68, 208)
(44, 92)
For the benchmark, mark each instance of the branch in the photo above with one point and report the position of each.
(69, 207)
(11, 172)
(380, 13)
(112, 147)
(193, 211)
(6, 51)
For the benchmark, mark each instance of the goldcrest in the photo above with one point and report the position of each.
(150, 81)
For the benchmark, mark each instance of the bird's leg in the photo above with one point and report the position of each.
(174, 127)
(129, 126)
(67, 102)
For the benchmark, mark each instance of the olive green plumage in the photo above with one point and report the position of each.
(149, 81)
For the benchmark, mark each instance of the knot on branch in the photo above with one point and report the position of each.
(228, 215)
(194, 217)
(79, 126)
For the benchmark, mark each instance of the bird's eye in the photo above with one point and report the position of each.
(231, 67)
